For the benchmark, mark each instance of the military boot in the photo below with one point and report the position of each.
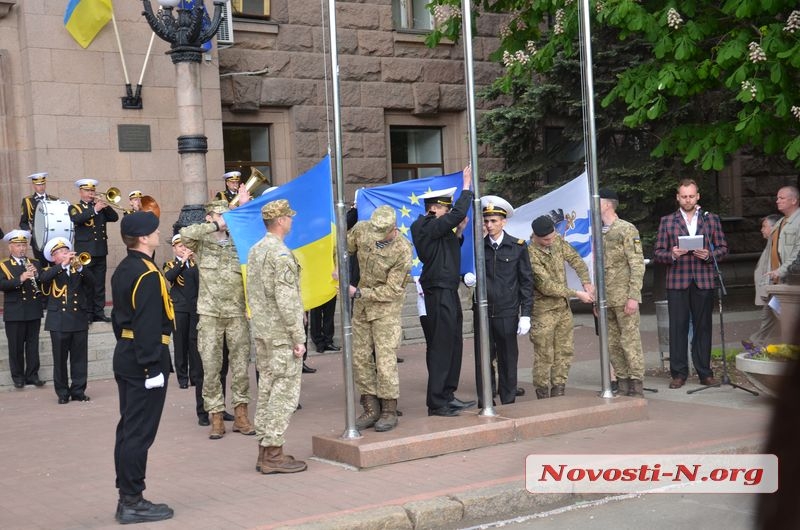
(557, 391)
(136, 509)
(217, 426)
(624, 385)
(241, 423)
(261, 450)
(388, 419)
(274, 461)
(372, 411)
(542, 392)
(636, 388)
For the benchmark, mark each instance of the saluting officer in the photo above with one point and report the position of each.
(90, 216)
(29, 205)
(22, 309)
(232, 181)
(143, 320)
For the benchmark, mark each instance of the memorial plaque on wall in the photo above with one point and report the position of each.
(134, 138)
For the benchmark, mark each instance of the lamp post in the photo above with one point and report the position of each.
(186, 33)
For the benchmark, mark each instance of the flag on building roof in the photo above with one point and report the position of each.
(85, 18)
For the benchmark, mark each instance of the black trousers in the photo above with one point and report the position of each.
(503, 349)
(97, 299)
(139, 415)
(23, 350)
(72, 346)
(444, 349)
(320, 323)
(681, 304)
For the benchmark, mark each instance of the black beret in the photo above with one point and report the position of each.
(608, 193)
(138, 224)
(543, 226)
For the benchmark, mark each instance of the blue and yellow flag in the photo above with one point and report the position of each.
(85, 18)
(404, 198)
(312, 238)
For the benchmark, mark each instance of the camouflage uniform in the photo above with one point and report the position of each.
(551, 326)
(221, 310)
(376, 313)
(624, 272)
(273, 292)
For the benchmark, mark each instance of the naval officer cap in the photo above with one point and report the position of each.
(543, 226)
(176, 239)
(139, 224)
(17, 236)
(233, 176)
(443, 197)
(494, 205)
(38, 178)
(135, 194)
(86, 184)
(55, 244)
(275, 209)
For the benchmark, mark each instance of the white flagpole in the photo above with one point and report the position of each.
(119, 46)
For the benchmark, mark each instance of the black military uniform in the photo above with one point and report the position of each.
(184, 279)
(91, 237)
(227, 194)
(440, 252)
(28, 212)
(68, 323)
(22, 315)
(142, 318)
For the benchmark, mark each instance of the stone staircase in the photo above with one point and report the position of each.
(102, 341)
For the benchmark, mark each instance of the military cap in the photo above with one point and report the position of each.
(176, 239)
(38, 178)
(494, 205)
(608, 193)
(135, 194)
(218, 206)
(235, 176)
(543, 226)
(55, 244)
(17, 236)
(443, 197)
(86, 184)
(383, 219)
(139, 224)
(275, 209)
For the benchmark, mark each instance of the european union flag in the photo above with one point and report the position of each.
(404, 198)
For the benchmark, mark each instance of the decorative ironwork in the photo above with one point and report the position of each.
(186, 32)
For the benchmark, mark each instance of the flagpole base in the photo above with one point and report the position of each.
(131, 101)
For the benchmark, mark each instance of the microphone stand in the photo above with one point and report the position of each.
(721, 291)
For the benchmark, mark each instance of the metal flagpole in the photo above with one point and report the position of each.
(350, 431)
(590, 146)
(477, 225)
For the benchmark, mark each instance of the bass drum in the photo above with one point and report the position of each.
(52, 220)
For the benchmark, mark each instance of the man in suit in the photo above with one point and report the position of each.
(90, 216)
(66, 285)
(28, 209)
(22, 309)
(690, 282)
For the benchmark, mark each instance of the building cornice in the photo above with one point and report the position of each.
(5, 7)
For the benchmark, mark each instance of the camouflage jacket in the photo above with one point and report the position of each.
(221, 291)
(550, 275)
(273, 292)
(623, 263)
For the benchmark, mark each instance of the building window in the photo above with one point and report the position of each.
(247, 146)
(416, 152)
(251, 8)
(412, 15)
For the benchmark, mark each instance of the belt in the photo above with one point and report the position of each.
(128, 334)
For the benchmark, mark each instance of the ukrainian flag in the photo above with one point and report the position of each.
(312, 238)
(85, 18)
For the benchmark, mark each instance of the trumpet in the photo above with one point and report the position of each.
(81, 260)
(112, 197)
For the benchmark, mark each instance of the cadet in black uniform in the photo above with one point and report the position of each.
(28, 208)
(509, 296)
(439, 249)
(143, 318)
(90, 216)
(22, 309)
(66, 285)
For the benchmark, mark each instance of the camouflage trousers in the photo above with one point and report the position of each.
(278, 390)
(376, 376)
(210, 333)
(553, 346)
(625, 343)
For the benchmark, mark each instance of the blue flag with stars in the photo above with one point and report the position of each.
(404, 198)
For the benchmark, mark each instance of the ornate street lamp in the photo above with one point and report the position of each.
(186, 33)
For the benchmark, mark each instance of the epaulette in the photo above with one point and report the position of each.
(520, 242)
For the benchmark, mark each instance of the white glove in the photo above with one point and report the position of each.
(524, 325)
(154, 382)
(469, 279)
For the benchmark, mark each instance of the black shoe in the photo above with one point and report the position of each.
(308, 370)
(82, 397)
(400, 360)
(615, 387)
(299, 406)
(227, 416)
(443, 411)
(36, 382)
(101, 318)
(183, 384)
(202, 421)
(332, 347)
(63, 400)
(520, 392)
(321, 349)
(457, 404)
(142, 511)
(19, 385)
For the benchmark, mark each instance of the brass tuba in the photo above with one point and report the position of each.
(254, 183)
(149, 204)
